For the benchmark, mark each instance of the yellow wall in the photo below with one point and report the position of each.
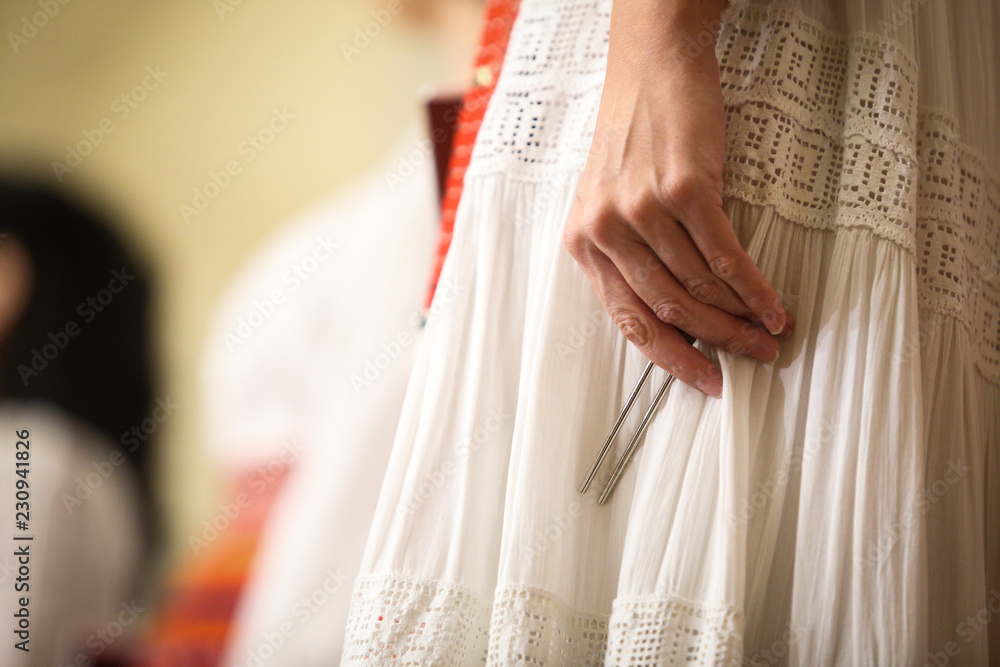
(224, 77)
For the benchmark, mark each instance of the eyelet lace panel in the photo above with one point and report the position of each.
(407, 622)
(530, 626)
(665, 630)
(825, 128)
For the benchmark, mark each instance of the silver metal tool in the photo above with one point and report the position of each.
(632, 445)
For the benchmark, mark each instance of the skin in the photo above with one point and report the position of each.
(647, 226)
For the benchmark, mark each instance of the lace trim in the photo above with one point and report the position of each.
(821, 126)
(530, 626)
(668, 630)
(409, 622)
(826, 129)
(773, 54)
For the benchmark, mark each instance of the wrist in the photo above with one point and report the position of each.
(692, 14)
(683, 29)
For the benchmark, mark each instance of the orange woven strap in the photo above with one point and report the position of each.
(192, 624)
(498, 19)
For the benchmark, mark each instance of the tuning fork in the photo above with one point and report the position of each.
(633, 443)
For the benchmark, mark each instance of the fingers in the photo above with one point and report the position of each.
(674, 248)
(713, 234)
(661, 343)
(669, 302)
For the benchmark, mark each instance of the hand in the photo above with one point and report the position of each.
(647, 226)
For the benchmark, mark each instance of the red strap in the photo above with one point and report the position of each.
(498, 19)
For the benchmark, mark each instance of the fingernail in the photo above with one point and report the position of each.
(789, 326)
(711, 384)
(765, 353)
(772, 322)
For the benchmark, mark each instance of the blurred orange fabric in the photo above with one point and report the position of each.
(191, 626)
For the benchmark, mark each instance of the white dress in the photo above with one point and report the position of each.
(839, 507)
(314, 378)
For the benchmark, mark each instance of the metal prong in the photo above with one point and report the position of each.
(630, 450)
(614, 431)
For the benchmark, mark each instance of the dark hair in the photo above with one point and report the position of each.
(102, 373)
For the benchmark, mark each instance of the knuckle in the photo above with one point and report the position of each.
(647, 268)
(726, 266)
(705, 290)
(598, 225)
(751, 336)
(631, 327)
(761, 299)
(641, 208)
(743, 339)
(670, 310)
(575, 240)
(679, 369)
(735, 343)
(777, 307)
(701, 375)
(683, 192)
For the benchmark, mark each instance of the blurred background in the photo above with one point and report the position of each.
(223, 69)
(197, 129)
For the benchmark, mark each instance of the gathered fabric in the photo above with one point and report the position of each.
(840, 506)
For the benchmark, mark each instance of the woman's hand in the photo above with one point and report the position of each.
(647, 225)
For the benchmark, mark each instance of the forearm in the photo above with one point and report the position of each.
(680, 30)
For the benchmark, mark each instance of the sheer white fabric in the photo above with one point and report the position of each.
(839, 506)
(318, 385)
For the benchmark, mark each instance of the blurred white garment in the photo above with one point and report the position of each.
(838, 507)
(313, 344)
(83, 560)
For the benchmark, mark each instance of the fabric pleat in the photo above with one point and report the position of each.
(836, 507)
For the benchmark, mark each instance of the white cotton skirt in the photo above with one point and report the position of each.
(840, 506)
